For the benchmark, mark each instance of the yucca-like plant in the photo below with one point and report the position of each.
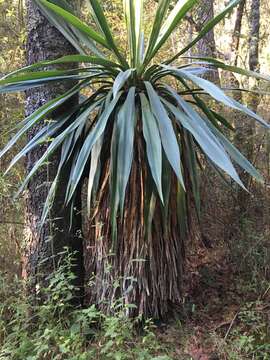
(137, 138)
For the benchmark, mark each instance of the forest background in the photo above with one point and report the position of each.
(227, 290)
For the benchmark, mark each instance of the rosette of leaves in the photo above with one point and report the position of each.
(138, 110)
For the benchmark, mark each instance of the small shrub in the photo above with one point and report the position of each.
(251, 254)
(251, 338)
(55, 330)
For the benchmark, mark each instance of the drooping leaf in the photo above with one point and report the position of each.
(36, 79)
(77, 23)
(211, 114)
(40, 114)
(126, 120)
(43, 136)
(181, 202)
(235, 154)
(57, 141)
(219, 95)
(120, 81)
(167, 134)
(234, 69)
(67, 148)
(114, 189)
(77, 38)
(222, 120)
(153, 143)
(192, 121)
(66, 59)
(88, 144)
(191, 161)
(166, 188)
(95, 157)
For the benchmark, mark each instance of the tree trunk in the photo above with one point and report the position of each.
(145, 271)
(254, 35)
(207, 45)
(43, 247)
(245, 128)
(237, 31)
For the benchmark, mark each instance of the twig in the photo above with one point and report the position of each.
(231, 325)
(265, 293)
(225, 323)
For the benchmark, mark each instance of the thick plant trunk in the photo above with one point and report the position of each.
(146, 271)
(43, 247)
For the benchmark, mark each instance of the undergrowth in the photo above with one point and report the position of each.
(227, 319)
(249, 337)
(54, 330)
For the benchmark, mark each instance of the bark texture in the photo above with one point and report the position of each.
(44, 42)
(254, 35)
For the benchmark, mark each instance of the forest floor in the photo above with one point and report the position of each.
(226, 318)
(225, 315)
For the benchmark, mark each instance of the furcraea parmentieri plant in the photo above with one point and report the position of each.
(138, 140)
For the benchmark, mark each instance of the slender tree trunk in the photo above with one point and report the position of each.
(233, 81)
(254, 35)
(245, 128)
(207, 45)
(237, 31)
(43, 247)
